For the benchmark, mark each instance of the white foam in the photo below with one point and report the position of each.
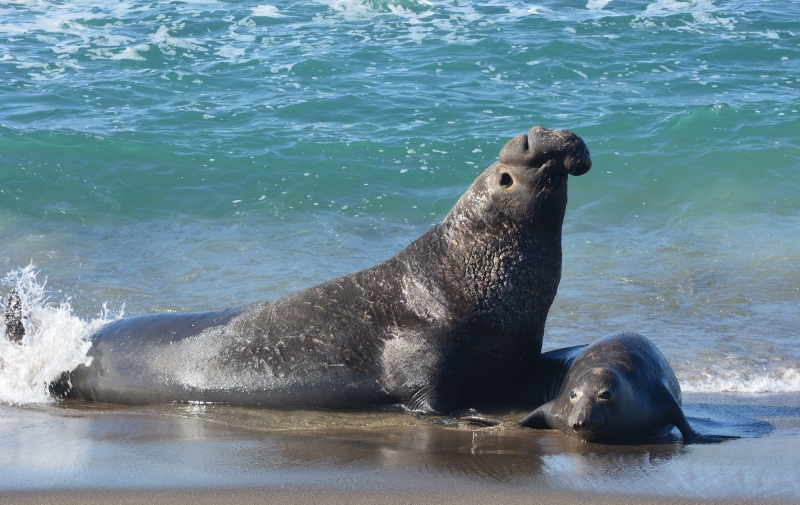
(700, 10)
(230, 52)
(367, 9)
(740, 374)
(535, 10)
(55, 341)
(778, 381)
(641, 22)
(596, 5)
(166, 41)
(131, 53)
(352, 9)
(10, 29)
(267, 11)
(705, 18)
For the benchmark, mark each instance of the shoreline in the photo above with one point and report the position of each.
(200, 496)
(167, 455)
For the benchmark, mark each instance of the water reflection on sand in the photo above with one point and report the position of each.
(79, 445)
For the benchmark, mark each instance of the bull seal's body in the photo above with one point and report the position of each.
(466, 301)
(618, 388)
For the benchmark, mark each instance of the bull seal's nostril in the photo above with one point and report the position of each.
(541, 145)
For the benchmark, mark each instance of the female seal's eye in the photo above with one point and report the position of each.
(605, 395)
(505, 180)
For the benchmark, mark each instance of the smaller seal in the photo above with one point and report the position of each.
(618, 388)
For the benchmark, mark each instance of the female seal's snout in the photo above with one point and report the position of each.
(579, 422)
(540, 146)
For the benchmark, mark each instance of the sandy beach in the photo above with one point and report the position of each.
(273, 495)
(87, 454)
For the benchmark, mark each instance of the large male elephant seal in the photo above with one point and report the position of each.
(451, 321)
(618, 388)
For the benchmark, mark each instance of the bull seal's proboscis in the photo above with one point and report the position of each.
(449, 322)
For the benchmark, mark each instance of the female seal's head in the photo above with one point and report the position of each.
(593, 404)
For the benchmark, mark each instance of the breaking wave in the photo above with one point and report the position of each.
(55, 340)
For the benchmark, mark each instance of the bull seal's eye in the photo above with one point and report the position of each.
(573, 395)
(605, 395)
(505, 180)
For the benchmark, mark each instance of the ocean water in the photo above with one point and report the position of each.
(172, 156)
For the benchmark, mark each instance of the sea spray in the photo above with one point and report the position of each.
(722, 377)
(55, 341)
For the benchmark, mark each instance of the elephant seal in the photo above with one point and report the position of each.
(618, 388)
(421, 331)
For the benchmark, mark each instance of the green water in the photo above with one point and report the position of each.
(187, 156)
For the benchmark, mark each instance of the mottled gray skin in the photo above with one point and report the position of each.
(12, 317)
(618, 388)
(423, 330)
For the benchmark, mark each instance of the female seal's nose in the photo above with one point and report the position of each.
(579, 419)
(541, 146)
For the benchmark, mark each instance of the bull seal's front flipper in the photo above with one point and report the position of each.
(12, 317)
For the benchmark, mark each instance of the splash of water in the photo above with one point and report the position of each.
(55, 341)
(781, 380)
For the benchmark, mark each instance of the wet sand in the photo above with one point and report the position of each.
(354, 497)
(206, 454)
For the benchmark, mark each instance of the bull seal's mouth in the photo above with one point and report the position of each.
(551, 183)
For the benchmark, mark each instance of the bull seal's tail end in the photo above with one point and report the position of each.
(12, 317)
(60, 387)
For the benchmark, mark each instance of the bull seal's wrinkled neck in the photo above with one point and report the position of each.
(496, 256)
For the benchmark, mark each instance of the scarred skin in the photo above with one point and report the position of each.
(452, 321)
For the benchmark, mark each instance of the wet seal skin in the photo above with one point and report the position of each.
(12, 317)
(452, 321)
(619, 388)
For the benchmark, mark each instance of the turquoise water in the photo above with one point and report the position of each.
(192, 155)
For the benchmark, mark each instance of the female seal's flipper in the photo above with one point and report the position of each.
(676, 417)
(690, 436)
(541, 418)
